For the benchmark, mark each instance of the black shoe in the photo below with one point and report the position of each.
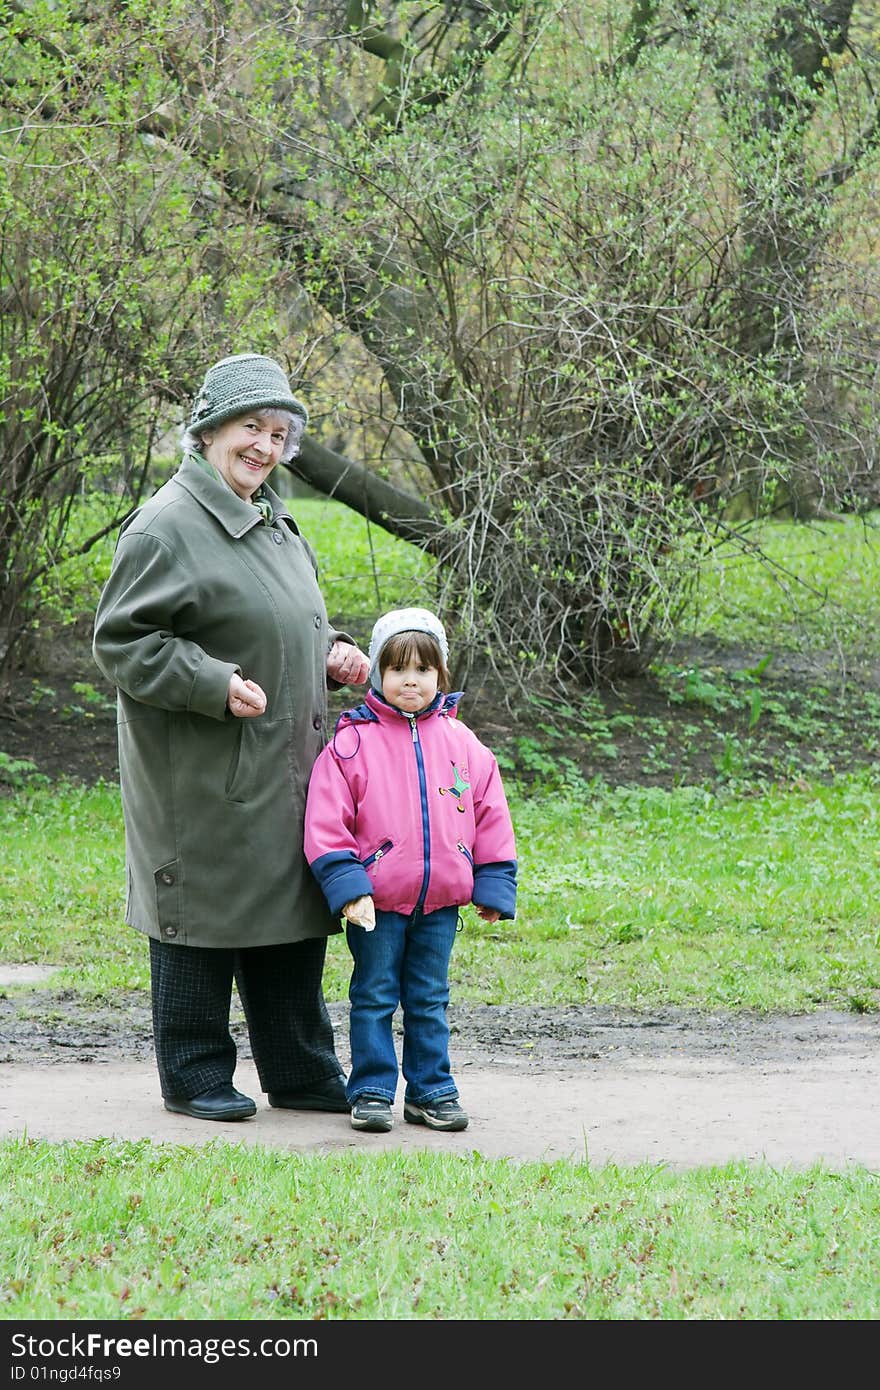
(220, 1103)
(445, 1113)
(320, 1095)
(373, 1114)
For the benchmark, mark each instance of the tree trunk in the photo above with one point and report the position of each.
(401, 513)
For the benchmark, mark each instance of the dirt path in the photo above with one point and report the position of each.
(683, 1114)
(678, 1088)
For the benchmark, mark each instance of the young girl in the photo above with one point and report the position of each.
(406, 821)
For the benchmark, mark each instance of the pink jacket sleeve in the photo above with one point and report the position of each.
(330, 844)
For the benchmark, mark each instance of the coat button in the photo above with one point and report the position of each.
(169, 931)
(167, 878)
(277, 537)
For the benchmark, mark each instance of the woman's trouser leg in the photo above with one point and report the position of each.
(191, 995)
(290, 1031)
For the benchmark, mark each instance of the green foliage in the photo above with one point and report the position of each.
(619, 310)
(117, 281)
(66, 585)
(618, 316)
(95, 699)
(720, 728)
(17, 772)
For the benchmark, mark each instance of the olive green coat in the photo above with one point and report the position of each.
(202, 587)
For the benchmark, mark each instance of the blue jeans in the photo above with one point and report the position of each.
(405, 961)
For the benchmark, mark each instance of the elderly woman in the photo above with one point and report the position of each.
(213, 629)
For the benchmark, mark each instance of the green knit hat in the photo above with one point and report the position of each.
(238, 385)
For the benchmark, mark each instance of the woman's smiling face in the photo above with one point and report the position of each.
(246, 449)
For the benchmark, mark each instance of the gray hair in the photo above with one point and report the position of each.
(191, 440)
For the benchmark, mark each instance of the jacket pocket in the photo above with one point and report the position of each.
(377, 854)
(242, 763)
(463, 849)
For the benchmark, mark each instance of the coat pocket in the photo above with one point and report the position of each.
(241, 768)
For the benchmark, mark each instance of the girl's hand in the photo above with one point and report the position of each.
(488, 914)
(245, 699)
(362, 912)
(347, 664)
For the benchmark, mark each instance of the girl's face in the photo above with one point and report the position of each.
(410, 688)
(246, 449)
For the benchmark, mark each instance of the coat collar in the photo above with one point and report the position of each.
(236, 516)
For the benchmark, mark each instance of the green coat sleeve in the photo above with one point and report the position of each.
(144, 603)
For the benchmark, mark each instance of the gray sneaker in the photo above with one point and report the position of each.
(445, 1113)
(372, 1114)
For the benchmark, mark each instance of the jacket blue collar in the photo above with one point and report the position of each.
(376, 707)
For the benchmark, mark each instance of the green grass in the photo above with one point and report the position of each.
(820, 589)
(635, 897)
(648, 898)
(62, 885)
(111, 1230)
(363, 570)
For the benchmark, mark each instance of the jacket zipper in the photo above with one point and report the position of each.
(466, 852)
(423, 798)
(385, 846)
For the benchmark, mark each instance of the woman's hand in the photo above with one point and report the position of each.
(245, 699)
(347, 664)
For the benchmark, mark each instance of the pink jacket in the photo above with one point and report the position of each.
(410, 809)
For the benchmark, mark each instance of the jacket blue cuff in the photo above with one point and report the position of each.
(495, 886)
(342, 878)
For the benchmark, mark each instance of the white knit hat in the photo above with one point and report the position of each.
(403, 620)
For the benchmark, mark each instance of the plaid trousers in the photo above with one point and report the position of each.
(280, 989)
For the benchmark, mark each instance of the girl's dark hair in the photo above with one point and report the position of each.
(415, 646)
